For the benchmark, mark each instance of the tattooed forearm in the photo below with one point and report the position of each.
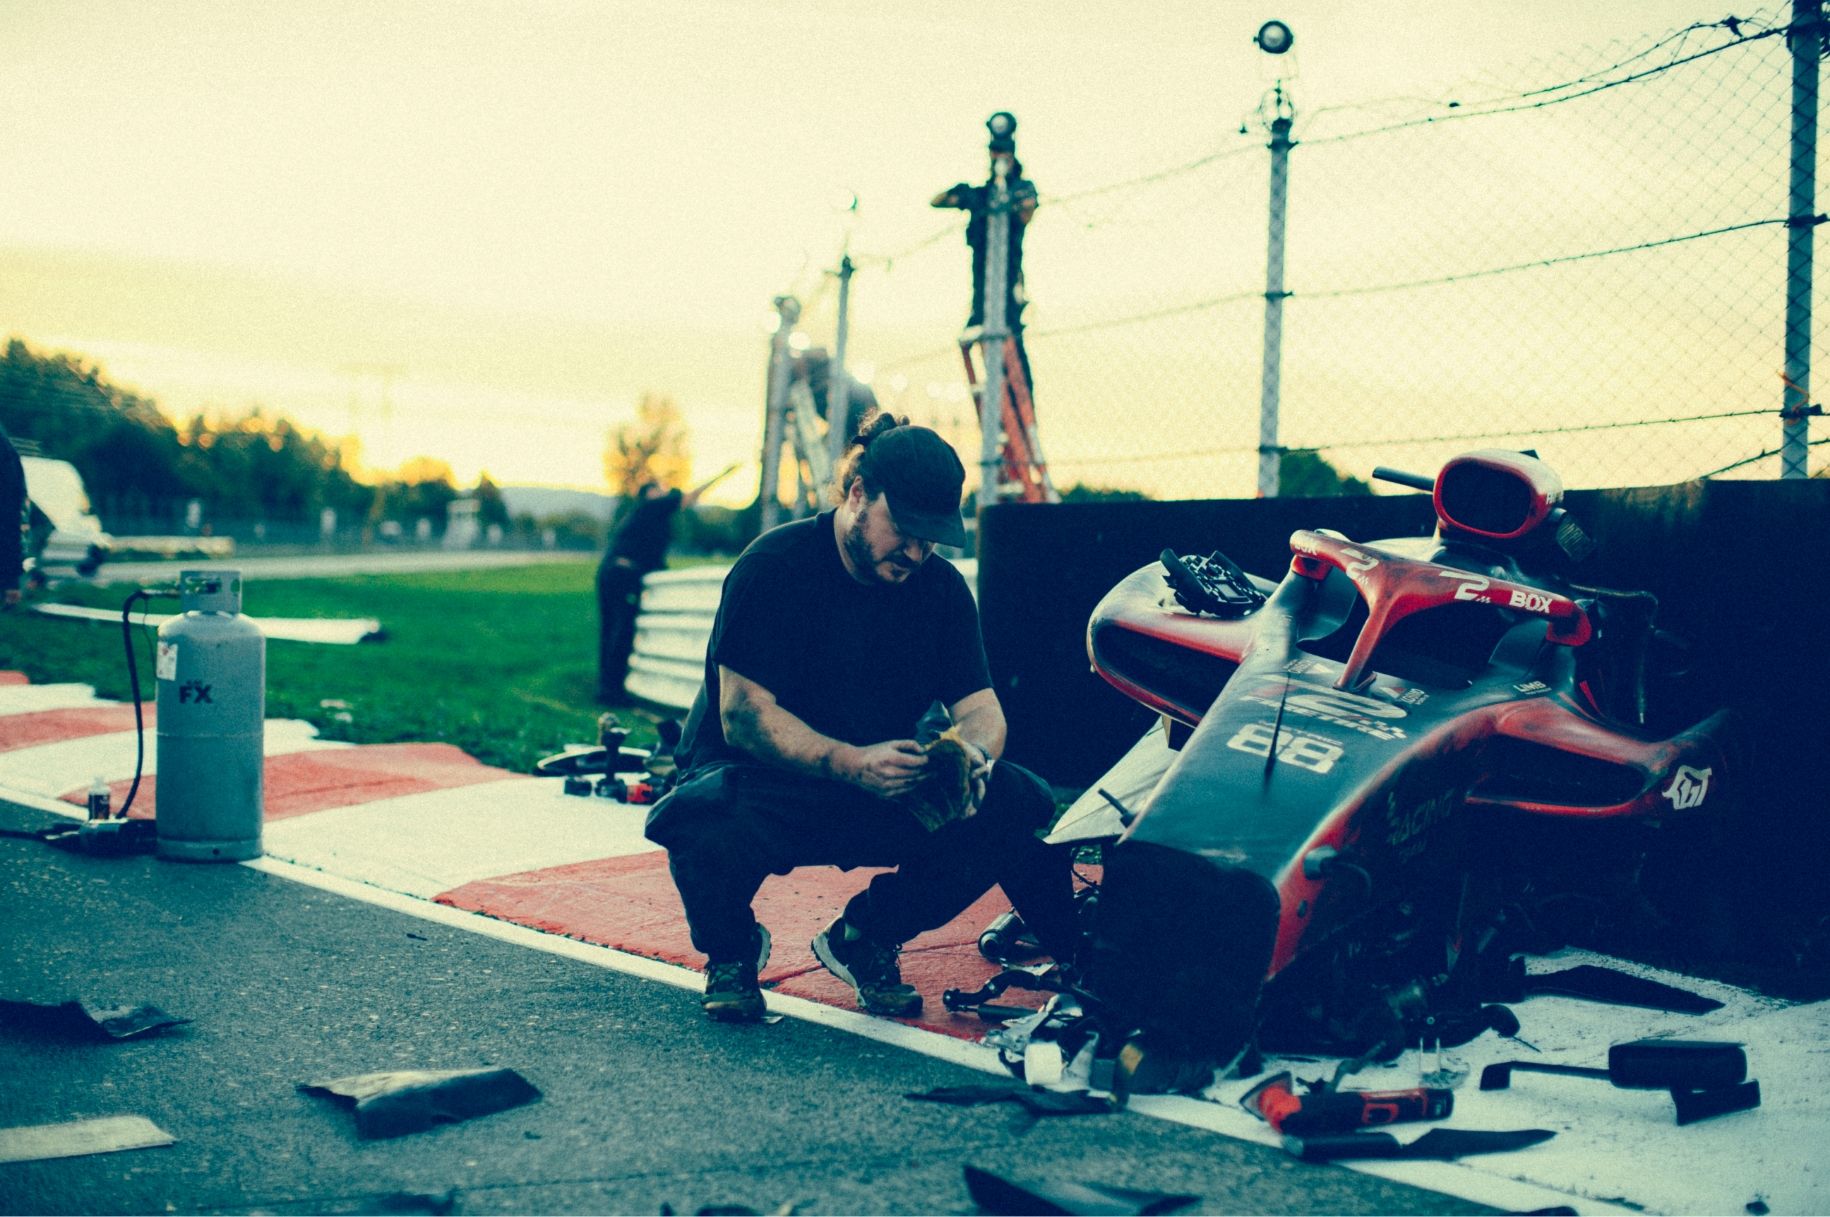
(755, 723)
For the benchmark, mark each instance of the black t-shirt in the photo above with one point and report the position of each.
(854, 661)
(643, 535)
(976, 202)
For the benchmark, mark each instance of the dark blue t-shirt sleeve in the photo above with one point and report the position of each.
(758, 622)
(963, 667)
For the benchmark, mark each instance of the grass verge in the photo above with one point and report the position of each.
(501, 663)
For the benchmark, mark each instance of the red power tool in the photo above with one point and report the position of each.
(1323, 1109)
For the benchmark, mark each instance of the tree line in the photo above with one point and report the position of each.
(142, 468)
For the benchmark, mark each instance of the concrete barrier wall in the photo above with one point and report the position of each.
(678, 607)
(668, 662)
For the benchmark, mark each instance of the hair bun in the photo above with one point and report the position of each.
(876, 424)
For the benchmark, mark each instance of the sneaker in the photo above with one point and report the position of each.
(732, 994)
(870, 969)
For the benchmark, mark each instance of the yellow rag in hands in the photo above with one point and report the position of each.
(944, 793)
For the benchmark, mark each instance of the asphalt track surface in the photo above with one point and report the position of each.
(645, 1103)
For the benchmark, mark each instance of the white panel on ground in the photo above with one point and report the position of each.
(31, 699)
(49, 770)
(343, 632)
(79, 1137)
(424, 844)
(1624, 1146)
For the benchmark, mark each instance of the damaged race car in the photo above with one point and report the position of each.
(1373, 783)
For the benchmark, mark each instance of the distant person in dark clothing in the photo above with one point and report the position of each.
(814, 366)
(12, 521)
(638, 547)
(975, 201)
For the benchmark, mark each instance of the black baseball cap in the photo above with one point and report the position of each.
(921, 476)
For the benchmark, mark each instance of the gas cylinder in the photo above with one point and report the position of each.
(212, 669)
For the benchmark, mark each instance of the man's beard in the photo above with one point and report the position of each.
(858, 549)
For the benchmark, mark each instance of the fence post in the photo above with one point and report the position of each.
(1270, 455)
(1806, 40)
(775, 405)
(993, 333)
(838, 380)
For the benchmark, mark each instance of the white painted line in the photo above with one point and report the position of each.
(58, 768)
(342, 631)
(1452, 1178)
(78, 1137)
(37, 802)
(424, 844)
(31, 699)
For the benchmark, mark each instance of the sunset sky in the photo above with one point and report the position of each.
(480, 231)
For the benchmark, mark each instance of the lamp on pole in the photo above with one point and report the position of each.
(1274, 38)
(994, 332)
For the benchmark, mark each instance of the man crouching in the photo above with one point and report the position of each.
(834, 635)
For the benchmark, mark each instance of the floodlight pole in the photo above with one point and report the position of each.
(1806, 39)
(993, 334)
(775, 411)
(1270, 455)
(838, 380)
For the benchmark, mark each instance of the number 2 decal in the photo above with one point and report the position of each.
(1471, 586)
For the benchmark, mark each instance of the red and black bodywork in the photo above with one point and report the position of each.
(1372, 763)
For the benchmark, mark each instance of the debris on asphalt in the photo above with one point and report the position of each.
(391, 1204)
(1694, 1105)
(79, 1019)
(394, 1103)
(996, 1194)
(1036, 1102)
(115, 838)
(110, 1134)
(1646, 1064)
(1439, 1144)
(1705, 1077)
(1591, 982)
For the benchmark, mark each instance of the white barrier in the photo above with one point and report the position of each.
(667, 665)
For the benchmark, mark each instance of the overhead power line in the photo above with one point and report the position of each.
(1533, 265)
(1530, 101)
(1411, 441)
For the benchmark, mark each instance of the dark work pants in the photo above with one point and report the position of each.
(619, 600)
(726, 827)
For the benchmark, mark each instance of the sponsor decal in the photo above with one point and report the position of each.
(1366, 715)
(1689, 787)
(1406, 826)
(1359, 562)
(1532, 686)
(1296, 667)
(1469, 587)
(1295, 748)
(1413, 697)
(1531, 602)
